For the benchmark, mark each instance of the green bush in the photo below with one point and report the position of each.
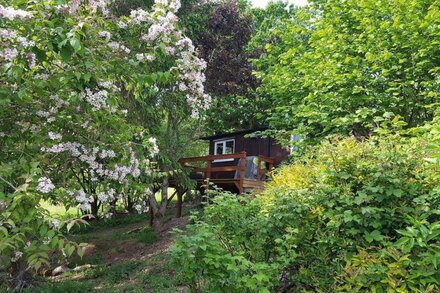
(232, 248)
(409, 264)
(348, 216)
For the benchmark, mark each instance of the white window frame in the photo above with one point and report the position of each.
(223, 141)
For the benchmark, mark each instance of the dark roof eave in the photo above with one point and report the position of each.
(231, 133)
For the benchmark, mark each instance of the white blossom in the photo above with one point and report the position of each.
(9, 54)
(117, 47)
(136, 17)
(17, 256)
(7, 34)
(108, 85)
(170, 50)
(81, 196)
(11, 13)
(97, 99)
(142, 208)
(85, 124)
(54, 135)
(85, 207)
(122, 24)
(155, 148)
(31, 59)
(25, 43)
(42, 114)
(45, 185)
(83, 200)
(107, 154)
(105, 35)
(99, 5)
(55, 223)
(41, 76)
(102, 197)
(175, 5)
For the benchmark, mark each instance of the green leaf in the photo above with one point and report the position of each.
(375, 235)
(66, 53)
(75, 43)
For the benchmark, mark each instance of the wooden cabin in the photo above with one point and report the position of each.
(237, 162)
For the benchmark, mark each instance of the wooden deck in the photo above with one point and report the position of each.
(213, 168)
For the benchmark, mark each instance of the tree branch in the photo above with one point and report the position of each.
(9, 183)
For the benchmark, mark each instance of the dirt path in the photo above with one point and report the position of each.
(119, 262)
(115, 245)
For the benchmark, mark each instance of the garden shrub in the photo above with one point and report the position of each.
(232, 247)
(348, 216)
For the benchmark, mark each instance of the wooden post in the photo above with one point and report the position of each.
(179, 204)
(270, 165)
(242, 172)
(208, 167)
(259, 169)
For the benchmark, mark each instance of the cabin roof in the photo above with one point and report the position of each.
(222, 135)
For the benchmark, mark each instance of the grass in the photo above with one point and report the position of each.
(115, 221)
(62, 287)
(147, 236)
(152, 275)
(113, 264)
(137, 274)
(158, 277)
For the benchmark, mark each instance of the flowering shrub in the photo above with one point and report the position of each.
(65, 70)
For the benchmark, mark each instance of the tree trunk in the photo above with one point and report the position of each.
(158, 210)
(95, 208)
(21, 275)
(179, 204)
(130, 204)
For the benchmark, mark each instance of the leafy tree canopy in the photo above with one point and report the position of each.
(343, 67)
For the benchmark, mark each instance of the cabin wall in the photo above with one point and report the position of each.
(254, 147)
(278, 153)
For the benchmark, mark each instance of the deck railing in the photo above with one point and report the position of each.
(241, 168)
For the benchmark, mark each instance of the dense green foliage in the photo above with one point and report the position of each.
(99, 99)
(340, 66)
(348, 216)
(358, 213)
(232, 248)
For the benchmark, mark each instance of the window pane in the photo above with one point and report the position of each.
(219, 148)
(229, 147)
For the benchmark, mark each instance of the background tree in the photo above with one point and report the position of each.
(350, 64)
(222, 43)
